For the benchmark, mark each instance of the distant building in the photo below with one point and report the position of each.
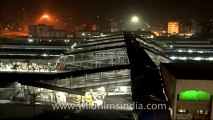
(47, 31)
(206, 28)
(116, 26)
(173, 28)
(202, 28)
(194, 28)
(184, 28)
(159, 28)
(94, 27)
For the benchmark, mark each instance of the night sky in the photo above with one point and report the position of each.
(146, 9)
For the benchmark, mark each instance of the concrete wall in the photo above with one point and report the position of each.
(203, 85)
(194, 105)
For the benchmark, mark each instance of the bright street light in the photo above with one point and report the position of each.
(45, 19)
(45, 16)
(135, 19)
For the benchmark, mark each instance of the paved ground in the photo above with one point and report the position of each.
(45, 112)
(85, 115)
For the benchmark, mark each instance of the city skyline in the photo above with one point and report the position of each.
(12, 10)
(96, 54)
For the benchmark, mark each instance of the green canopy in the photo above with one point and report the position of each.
(195, 95)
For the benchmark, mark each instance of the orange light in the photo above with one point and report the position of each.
(173, 27)
(45, 16)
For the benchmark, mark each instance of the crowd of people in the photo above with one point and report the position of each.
(26, 66)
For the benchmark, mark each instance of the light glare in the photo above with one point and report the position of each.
(135, 19)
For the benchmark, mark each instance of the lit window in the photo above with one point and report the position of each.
(206, 112)
(182, 111)
(200, 112)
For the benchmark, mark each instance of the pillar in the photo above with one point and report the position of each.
(211, 108)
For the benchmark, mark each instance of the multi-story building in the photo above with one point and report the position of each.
(194, 28)
(116, 26)
(159, 28)
(173, 28)
(184, 28)
(43, 31)
(202, 28)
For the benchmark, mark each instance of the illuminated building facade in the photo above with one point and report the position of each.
(189, 90)
(173, 28)
(43, 30)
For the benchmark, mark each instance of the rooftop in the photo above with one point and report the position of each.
(194, 71)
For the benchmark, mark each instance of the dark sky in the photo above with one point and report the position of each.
(147, 9)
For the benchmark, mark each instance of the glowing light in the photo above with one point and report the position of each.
(163, 31)
(211, 58)
(30, 40)
(46, 19)
(173, 27)
(183, 58)
(180, 50)
(156, 33)
(45, 55)
(135, 19)
(66, 41)
(195, 95)
(45, 16)
(173, 57)
(72, 47)
(190, 51)
(198, 58)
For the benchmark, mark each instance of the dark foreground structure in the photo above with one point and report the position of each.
(146, 82)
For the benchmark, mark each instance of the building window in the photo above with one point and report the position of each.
(182, 111)
(202, 112)
(206, 112)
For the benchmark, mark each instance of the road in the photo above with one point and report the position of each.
(46, 112)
